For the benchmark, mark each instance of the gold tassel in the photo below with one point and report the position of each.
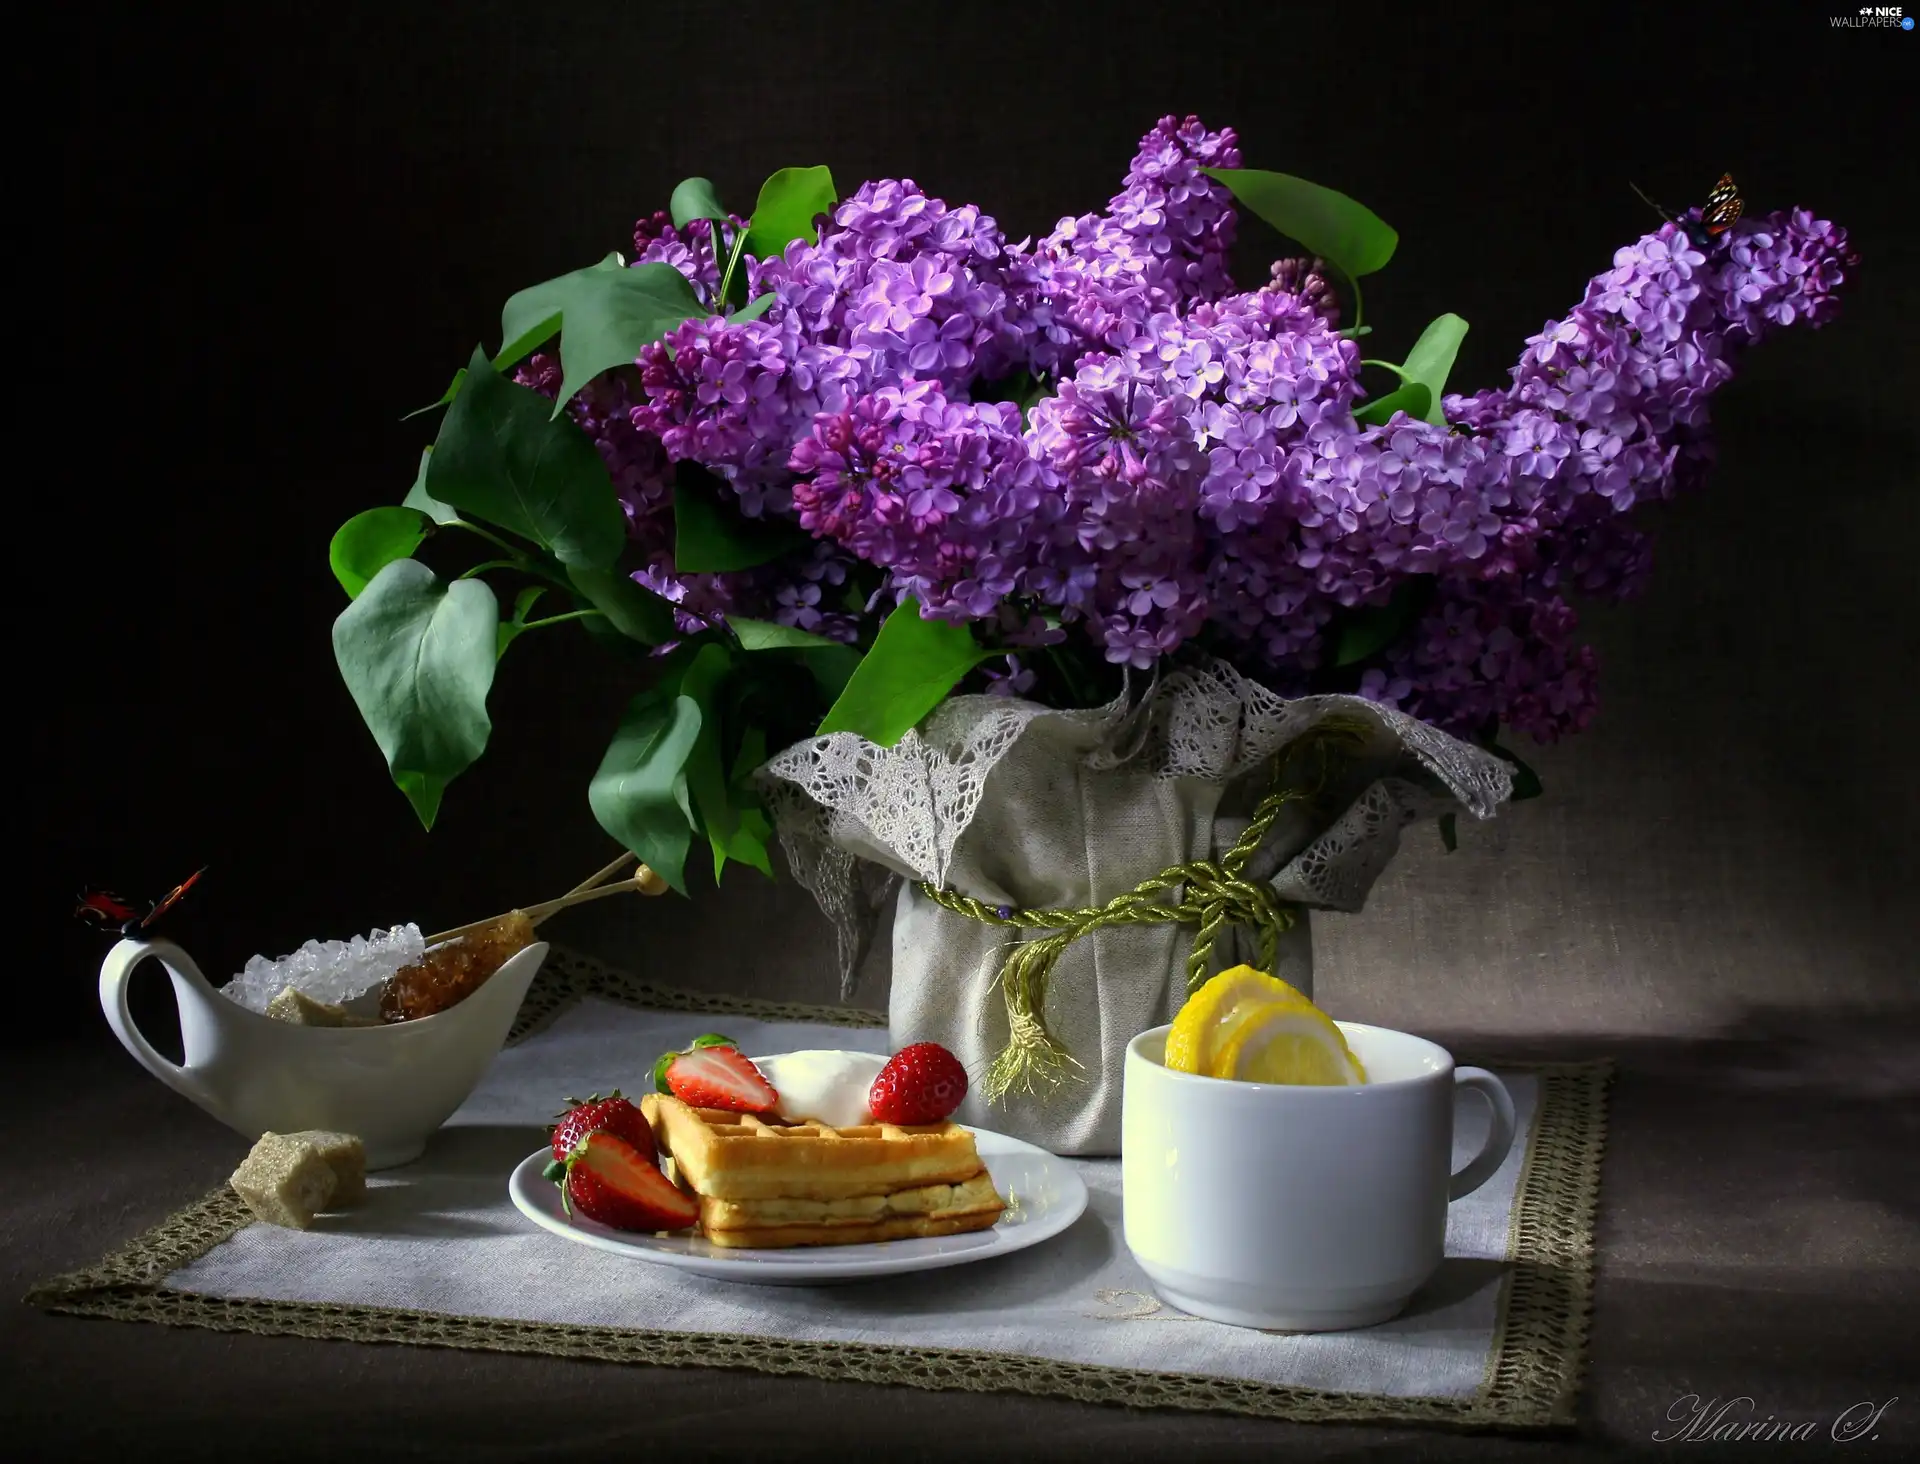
(1213, 895)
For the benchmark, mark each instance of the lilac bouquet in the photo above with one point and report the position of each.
(827, 463)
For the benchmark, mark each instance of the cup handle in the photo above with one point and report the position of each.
(115, 972)
(1493, 1153)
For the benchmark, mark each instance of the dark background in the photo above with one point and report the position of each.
(285, 226)
(278, 228)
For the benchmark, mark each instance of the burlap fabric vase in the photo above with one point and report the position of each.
(1025, 808)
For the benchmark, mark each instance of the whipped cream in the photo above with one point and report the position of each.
(823, 1084)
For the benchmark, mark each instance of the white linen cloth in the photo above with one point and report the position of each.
(441, 1235)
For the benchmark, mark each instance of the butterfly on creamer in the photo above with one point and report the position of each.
(105, 910)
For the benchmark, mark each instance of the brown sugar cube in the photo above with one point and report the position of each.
(288, 1178)
(295, 1006)
(285, 1181)
(454, 969)
(346, 1156)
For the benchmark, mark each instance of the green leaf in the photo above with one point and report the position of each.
(1449, 832)
(502, 457)
(752, 311)
(368, 542)
(1431, 360)
(1526, 782)
(633, 610)
(1368, 629)
(766, 635)
(510, 630)
(1413, 398)
(639, 792)
(753, 752)
(912, 667)
(789, 202)
(611, 314)
(531, 317)
(831, 667)
(418, 657)
(695, 199)
(752, 836)
(711, 536)
(733, 281)
(603, 315)
(418, 497)
(706, 771)
(747, 844)
(1348, 235)
(831, 663)
(452, 391)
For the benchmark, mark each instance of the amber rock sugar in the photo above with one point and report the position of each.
(453, 970)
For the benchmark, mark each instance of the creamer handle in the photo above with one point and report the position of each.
(188, 985)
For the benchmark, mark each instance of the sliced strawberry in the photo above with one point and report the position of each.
(612, 1114)
(611, 1181)
(716, 1077)
(920, 1084)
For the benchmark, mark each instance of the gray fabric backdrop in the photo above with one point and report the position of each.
(1735, 830)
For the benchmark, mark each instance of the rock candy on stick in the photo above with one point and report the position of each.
(453, 970)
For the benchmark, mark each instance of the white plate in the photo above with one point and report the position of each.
(1044, 1196)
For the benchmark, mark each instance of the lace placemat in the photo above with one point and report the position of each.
(438, 1257)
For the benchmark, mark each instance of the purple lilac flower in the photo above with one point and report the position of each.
(1491, 653)
(944, 495)
(1198, 462)
(907, 285)
(688, 249)
(1308, 280)
(1161, 245)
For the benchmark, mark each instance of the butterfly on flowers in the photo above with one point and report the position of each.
(1719, 213)
(104, 910)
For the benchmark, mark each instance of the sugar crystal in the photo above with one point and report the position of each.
(334, 971)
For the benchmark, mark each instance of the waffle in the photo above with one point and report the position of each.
(739, 1156)
(933, 1209)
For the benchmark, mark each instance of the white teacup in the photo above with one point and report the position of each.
(1302, 1209)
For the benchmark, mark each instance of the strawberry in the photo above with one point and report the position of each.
(713, 1074)
(612, 1114)
(615, 1183)
(920, 1084)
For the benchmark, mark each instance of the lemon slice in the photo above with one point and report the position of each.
(1291, 1043)
(1211, 1012)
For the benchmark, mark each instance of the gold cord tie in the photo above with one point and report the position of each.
(1212, 894)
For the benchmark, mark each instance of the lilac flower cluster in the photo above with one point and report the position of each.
(1194, 466)
(1161, 244)
(942, 493)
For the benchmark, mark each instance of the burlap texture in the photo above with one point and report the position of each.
(1015, 804)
